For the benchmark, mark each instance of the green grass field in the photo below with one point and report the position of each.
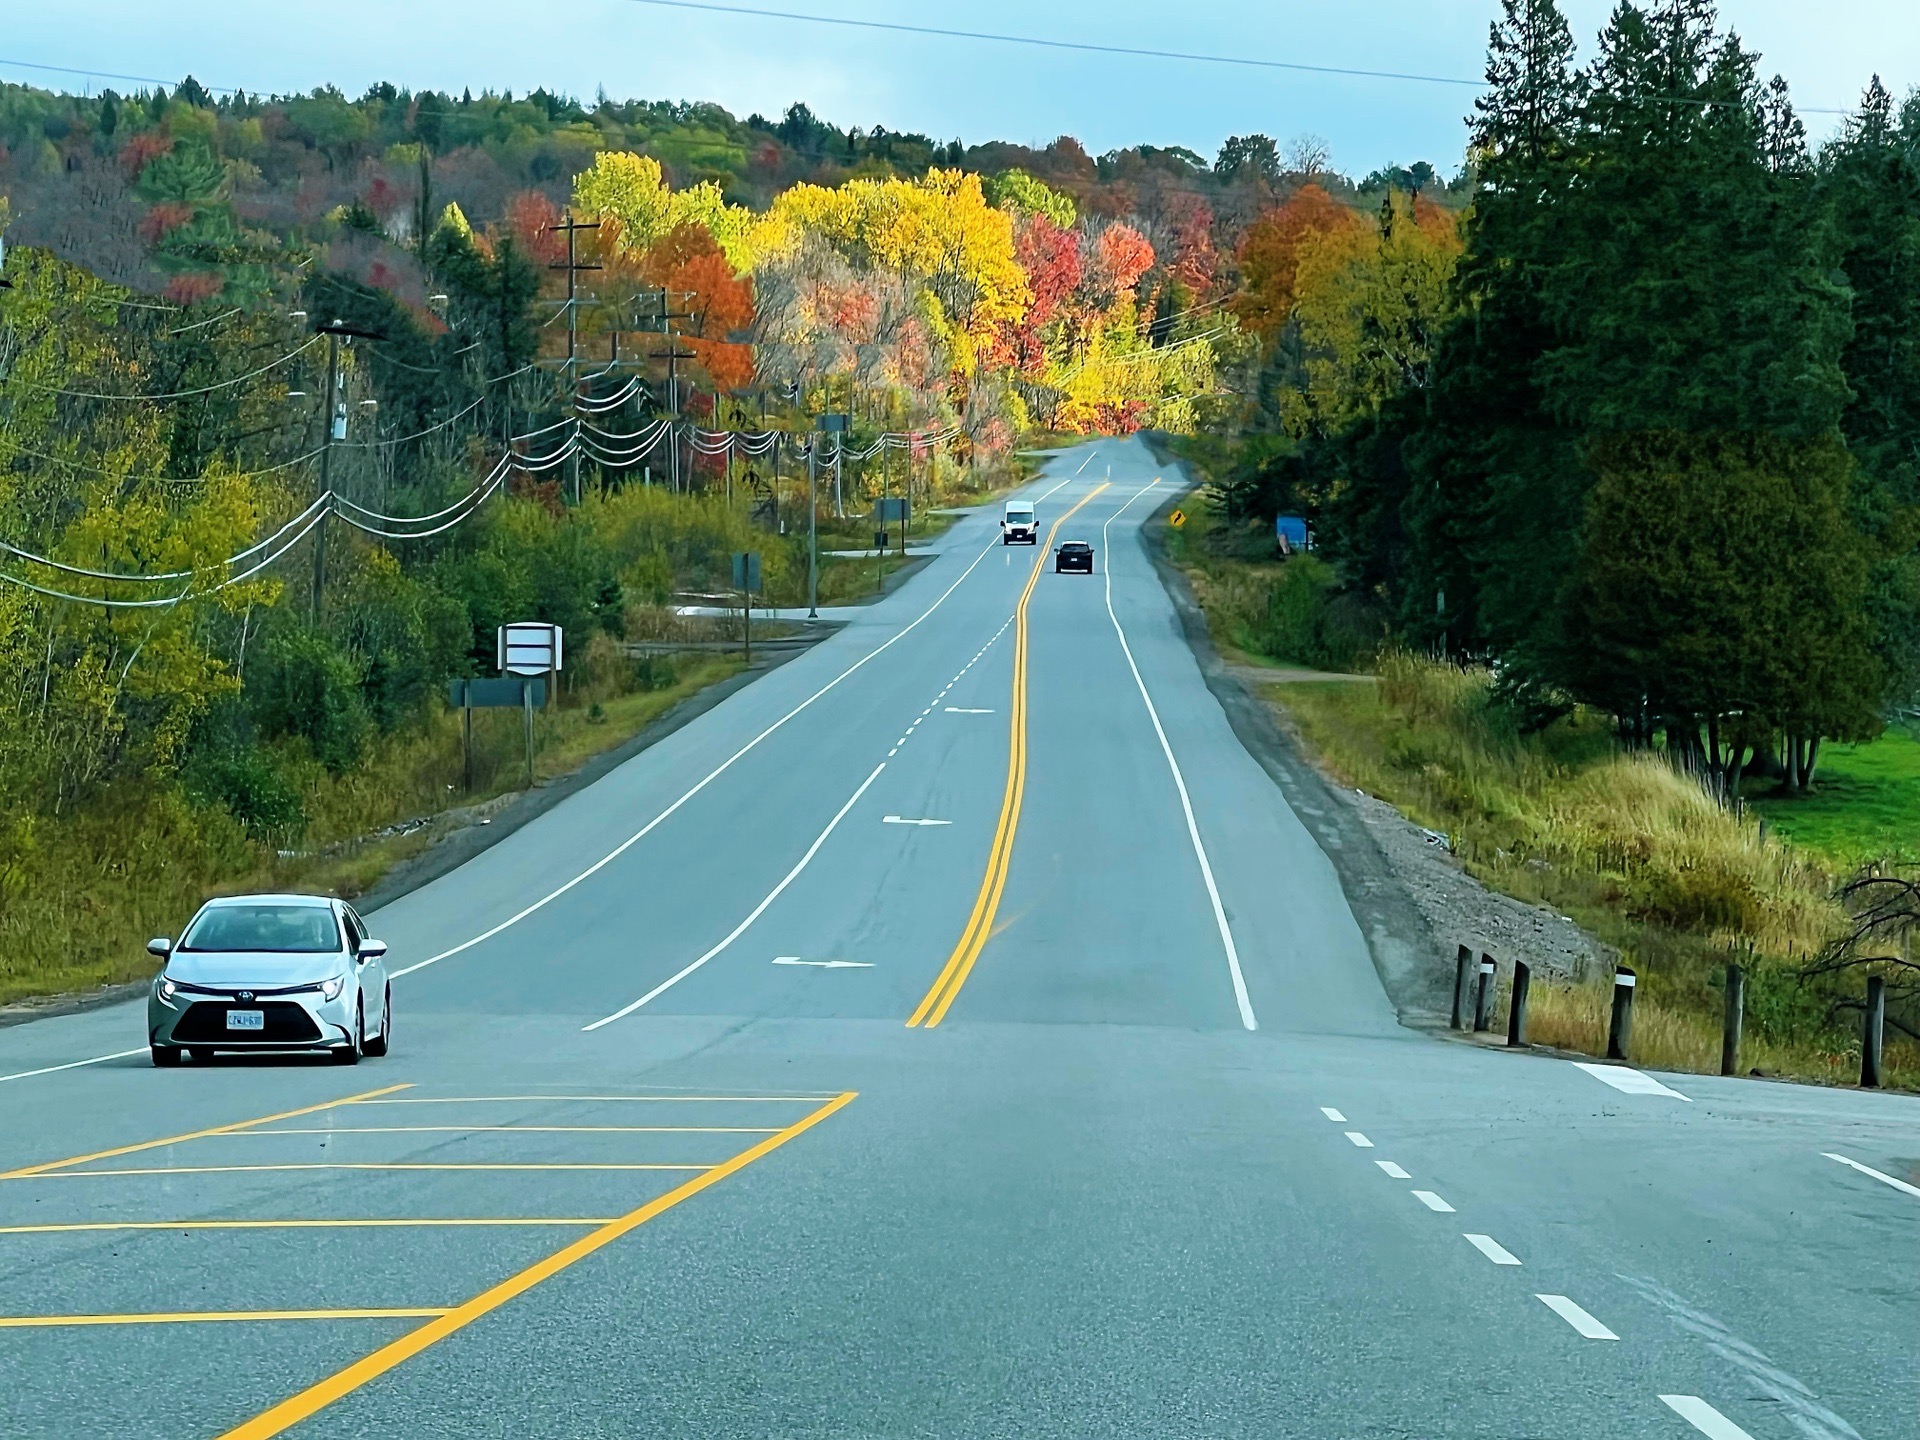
(1865, 804)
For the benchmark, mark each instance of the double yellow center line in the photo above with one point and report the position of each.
(933, 1008)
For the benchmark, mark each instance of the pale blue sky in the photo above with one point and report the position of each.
(946, 88)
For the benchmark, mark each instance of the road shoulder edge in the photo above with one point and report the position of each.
(1405, 954)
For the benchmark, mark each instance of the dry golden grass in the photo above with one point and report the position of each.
(1635, 851)
(1666, 1037)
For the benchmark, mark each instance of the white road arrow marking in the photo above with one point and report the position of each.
(909, 820)
(824, 964)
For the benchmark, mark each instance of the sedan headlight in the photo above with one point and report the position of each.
(168, 989)
(332, 988)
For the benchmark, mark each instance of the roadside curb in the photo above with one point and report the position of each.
(1402, 946)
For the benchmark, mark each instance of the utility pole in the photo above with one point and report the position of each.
(336, 429)
(573, 267)
(813, 527)
(673, 354)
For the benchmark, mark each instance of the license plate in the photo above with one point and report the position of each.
(246, 1019)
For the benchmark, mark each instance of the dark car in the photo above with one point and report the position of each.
(1074, 555)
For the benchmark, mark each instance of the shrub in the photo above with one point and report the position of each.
(253, 790)
(304, 686)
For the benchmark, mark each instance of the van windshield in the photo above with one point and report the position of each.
(1019, 512)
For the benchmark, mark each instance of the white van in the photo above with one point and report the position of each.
(1018, 526)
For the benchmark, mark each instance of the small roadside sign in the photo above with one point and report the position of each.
(746, 571)
(529, 648)
(1177, 519)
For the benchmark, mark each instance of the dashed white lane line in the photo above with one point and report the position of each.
(1704, 1418)
(964, 710)
(1493, 1250)
(824, 964)
(1629, 1081)
(72, 1065)
(711, 776)
(1392, 1169)
(1579, 1319)
(1884, 1179)
(1433, 1201)
(757, 911)
(910, 820)
(1357, 1138)
(1332, 1114)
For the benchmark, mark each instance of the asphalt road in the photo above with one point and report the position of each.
(1155, 1160)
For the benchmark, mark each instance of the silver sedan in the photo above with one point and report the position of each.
(271, 972)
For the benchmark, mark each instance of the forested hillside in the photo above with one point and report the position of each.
(1629, 410)
(1645, 430)
(234, 576)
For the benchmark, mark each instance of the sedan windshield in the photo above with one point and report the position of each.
(295, 929)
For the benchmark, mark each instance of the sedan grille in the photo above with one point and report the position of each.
(284, 1023)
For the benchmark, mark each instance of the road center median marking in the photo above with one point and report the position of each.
(709, 778)
(939, 999)
(317, 1397)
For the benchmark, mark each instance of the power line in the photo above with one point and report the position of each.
(174, 394)
(1091, 47)
(110, 75)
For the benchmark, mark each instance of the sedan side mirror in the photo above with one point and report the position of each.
(160, 947)
(372, 950)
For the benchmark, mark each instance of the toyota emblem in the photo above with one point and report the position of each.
(246, 995)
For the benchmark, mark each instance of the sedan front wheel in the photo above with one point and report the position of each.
(350, 1054)
(378, 1045)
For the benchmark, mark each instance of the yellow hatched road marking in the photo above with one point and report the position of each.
(973, 939)
(597, 1099)
(367, 1224)
(200, 1317)
(335, 1165)
(314, 1398)
(519, 1130)
(362, 1098)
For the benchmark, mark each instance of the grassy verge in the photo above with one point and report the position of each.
(90, 891)
(1637, 854)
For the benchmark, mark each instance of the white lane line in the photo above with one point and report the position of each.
(908, 820)
(708, 779)
(1179, 782)
(1704, 1418)
(1493, 1250)
(1576, 1317)
(1850, 1164)
(961, 710)
(1629, 1081)
(824, 964)
(1392, 1169)
(757, 911)
(1357, 1138)
(72, 1065)
(1332, 1114)
(1433, 1201)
